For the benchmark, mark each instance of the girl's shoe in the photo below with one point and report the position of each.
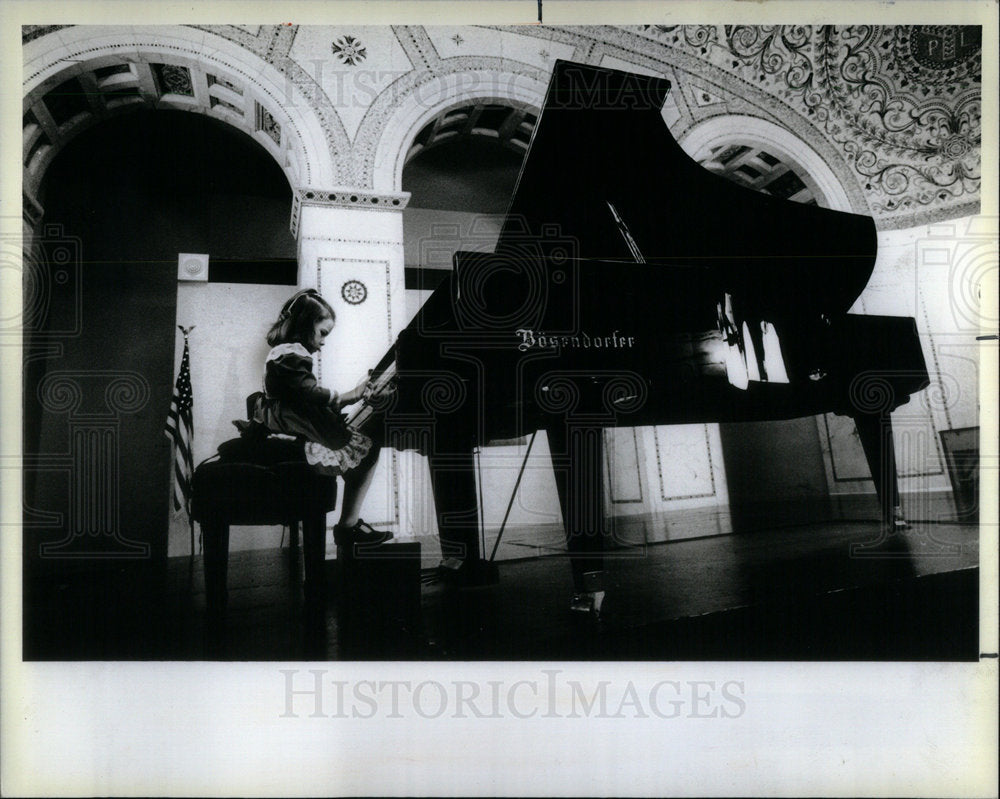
(361, 533)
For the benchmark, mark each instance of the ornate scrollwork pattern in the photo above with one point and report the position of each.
(902, 103)
(913, 142)
(691, 35)
(774, 50)
(174, 79)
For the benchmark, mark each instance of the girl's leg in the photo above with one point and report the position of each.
(356, 483)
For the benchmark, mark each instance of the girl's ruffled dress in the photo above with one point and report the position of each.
(295, 404)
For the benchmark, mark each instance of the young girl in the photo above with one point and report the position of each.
(295, 404)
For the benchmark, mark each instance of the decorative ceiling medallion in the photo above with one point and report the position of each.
(174, 79)
(349, 50)
(354, 292)
(883, 104)
(939, 54)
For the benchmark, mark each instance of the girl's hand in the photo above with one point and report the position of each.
(360, 391)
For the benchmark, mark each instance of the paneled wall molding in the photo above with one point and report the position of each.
(354, 256)
(695, 442)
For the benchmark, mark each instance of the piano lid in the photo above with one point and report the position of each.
(604, 173)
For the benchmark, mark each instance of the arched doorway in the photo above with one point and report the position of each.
(121, 200)
(460, 171)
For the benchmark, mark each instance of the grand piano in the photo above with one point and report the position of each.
(630, 286)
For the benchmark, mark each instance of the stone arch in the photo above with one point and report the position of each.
(423, 101)
(832, 190)
(271, 108)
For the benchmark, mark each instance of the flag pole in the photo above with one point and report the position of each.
(185, 331)
(180, 429)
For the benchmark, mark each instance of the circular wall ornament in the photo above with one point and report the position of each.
(354, 292)
(192, 266)
(349, 50)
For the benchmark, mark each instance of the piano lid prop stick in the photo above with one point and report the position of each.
(513, 494)
(482, 520)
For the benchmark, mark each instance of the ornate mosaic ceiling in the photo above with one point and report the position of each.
(902, 104)
(894, 110)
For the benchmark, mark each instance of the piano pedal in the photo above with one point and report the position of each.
(451, 565)
(430, 576)
(899, 523)
(588, 603)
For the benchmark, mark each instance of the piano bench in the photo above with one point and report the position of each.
(262, 491)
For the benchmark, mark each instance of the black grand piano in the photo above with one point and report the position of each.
(630, 286)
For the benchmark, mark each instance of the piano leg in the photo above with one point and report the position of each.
(453, 481)
(577, 459)
(875, 432)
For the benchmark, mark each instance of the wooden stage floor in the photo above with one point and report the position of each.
(827, 591)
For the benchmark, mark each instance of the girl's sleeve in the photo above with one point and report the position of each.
(294, 375)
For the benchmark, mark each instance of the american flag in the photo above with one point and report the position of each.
(180, 429)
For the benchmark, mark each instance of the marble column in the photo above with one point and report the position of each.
(350, 248)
